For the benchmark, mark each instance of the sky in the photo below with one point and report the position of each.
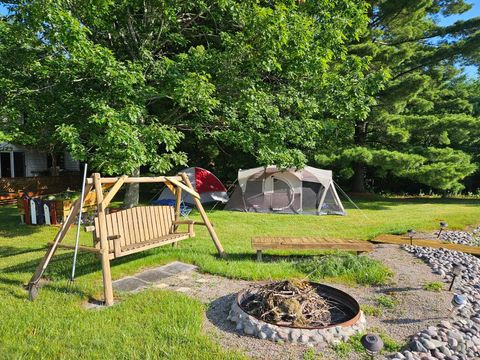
(471, 71)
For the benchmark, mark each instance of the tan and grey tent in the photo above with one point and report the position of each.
(289, 191)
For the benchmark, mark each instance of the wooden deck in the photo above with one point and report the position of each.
(433, 243)
(260, 243)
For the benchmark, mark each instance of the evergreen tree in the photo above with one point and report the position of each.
(415, 55)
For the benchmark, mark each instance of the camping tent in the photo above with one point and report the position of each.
(205, 183)
(269, 189)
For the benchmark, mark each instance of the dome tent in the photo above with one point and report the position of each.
(270, 189)
(204, 182)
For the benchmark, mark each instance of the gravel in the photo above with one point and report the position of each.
(462, 237)
(416, 308)
(459, 336)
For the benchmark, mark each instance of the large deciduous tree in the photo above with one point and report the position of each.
(123, 83)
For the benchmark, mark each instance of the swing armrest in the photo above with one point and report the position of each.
(188, 222)
(182, 222)
(90, 228)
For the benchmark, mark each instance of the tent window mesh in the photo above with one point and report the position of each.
(282, 197)
(330, 204)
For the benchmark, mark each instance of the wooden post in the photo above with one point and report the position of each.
(178, 201)
(259, 255)
(207, 222)
(58, 238)
(107, 276)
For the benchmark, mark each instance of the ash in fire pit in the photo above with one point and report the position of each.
(297, 311)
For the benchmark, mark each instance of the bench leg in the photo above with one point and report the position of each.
(107, 279)
(259, 255)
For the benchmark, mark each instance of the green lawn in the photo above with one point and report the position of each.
(157, 323)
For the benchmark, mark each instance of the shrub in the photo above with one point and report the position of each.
(433, 286)
(386, 301)
(372, 310)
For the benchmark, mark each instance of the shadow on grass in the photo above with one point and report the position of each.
(10, 225)
(273, 258)
(10, 286)
(60, 266)
(382, 203)
(6, 251)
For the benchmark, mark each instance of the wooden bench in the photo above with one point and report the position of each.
(141, 228)
(260, 243)
(127, 231)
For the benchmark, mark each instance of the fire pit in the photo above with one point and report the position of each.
(298, 312)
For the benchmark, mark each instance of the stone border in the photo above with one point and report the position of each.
(250, 325)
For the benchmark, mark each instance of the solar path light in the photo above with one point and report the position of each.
(443, 225)
(458, 302)
(410, 233)
(372, 343)
(457, 270)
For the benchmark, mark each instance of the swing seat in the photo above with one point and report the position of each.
(141, 228)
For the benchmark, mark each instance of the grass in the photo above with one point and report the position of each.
(386, 301)
(347, 267)
(371, 310)
(158, 323)
(435, 286)
(354, 345)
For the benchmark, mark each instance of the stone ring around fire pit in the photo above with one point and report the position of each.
(347, 320)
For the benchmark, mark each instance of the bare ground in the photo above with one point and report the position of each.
(415, 307)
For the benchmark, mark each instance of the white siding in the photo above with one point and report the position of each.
(70, 163)
(35, 162)
(6, 147)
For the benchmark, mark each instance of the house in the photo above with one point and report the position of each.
(19, 161)
(27, 171)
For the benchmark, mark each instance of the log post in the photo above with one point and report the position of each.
(107, 276)
(204, 216)
(178, 201)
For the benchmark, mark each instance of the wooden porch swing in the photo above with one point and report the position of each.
(131, 230)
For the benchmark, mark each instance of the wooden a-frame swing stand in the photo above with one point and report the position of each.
(131, 230)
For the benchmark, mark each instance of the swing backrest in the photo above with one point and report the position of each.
(131, 228)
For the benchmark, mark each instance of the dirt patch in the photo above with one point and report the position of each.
(405, 307)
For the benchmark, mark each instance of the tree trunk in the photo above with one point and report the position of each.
(132, 194)
(53, 169)
(358, 179)
(359, 170)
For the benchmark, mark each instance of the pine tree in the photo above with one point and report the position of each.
(414, 54)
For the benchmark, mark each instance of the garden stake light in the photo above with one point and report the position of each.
(372, 343)
(443, 225)
(456, 271)
(410, 233)
(458, 302)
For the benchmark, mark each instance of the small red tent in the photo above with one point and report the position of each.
(207, 185)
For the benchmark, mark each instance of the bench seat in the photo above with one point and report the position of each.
(260, 243)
